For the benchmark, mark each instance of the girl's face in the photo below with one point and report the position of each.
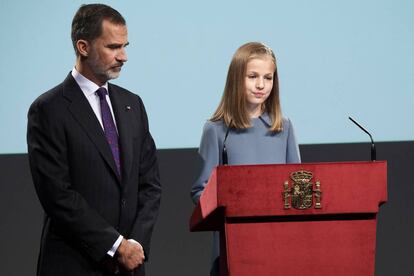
(258, 83)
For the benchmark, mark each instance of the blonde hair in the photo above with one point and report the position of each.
(232, 107)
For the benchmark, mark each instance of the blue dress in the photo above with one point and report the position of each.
(255, 145)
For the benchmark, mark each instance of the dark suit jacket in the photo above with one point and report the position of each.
(87, 203)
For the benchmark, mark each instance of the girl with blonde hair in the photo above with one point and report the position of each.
(248, 126)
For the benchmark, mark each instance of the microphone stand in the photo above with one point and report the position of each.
(373, 150)
(224, 156)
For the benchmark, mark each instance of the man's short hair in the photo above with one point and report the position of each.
(87, 22)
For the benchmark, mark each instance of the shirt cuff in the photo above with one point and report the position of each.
(114, 248)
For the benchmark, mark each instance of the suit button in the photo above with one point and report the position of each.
(123, 202)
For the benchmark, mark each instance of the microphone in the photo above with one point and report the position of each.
(373, 150)
(224, 156)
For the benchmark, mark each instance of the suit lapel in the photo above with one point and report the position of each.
(84, 115)
(122, 117)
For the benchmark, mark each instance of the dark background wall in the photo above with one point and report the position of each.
(176, 251)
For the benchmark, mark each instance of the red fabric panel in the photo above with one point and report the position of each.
(204, 211)
(256, 190)
(208, 199)
(312, 248)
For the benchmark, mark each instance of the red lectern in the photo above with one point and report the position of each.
(295, 219)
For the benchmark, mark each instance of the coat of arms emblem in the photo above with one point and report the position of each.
(301, 191)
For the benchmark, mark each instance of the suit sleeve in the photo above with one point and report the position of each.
(149, 195)
(47, 150)
(209, 152)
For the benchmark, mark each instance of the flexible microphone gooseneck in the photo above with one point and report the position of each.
(224, 156)
(373, 150)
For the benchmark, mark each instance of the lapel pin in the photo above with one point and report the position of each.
(127, 107)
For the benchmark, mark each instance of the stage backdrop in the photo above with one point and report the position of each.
(335, 59)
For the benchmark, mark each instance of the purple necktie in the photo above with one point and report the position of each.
(109, 127)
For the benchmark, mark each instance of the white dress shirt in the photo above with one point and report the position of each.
(89, 89)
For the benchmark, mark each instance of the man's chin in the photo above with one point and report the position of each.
(113, 75)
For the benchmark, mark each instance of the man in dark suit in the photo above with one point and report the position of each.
(93, 160)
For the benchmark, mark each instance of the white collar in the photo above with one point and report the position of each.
(87, 86)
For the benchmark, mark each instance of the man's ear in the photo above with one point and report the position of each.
(83, 47)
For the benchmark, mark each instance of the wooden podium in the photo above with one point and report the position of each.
(295, 219)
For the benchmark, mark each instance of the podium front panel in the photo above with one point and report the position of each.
(311, 248)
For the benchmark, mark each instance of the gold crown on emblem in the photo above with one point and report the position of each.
(304, 176)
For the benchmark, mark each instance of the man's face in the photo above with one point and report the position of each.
(107, 54)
